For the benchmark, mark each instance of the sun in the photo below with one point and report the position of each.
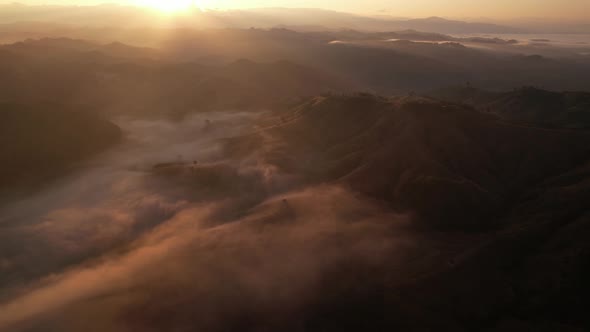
(170, 6)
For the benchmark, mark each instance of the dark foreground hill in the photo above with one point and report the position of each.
(521, 192)
(38, 142)
(452, 165)
(297, 227)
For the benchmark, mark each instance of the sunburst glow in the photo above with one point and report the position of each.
(171, 6)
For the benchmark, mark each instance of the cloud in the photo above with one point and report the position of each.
(225, 243)
(275, 256)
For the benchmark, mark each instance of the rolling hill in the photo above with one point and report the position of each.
(40, 142)
(452, 165)
(511, 199)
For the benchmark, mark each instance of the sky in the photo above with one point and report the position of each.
(500, 9)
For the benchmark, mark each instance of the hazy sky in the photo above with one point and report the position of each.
(568, 9)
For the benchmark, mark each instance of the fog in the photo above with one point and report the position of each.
(137, 250)
(112, 188)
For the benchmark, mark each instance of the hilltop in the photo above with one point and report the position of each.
(452, 165)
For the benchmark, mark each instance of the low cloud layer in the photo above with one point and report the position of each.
(120, 247)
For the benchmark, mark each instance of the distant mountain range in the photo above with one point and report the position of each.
(189, 66)
(300, 19)
(127, 79)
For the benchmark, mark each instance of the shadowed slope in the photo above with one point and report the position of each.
(451, 164)
(39, 142)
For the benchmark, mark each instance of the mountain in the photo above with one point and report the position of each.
(529, 276)
(452, 165)
(510, 199)
(386, 66)
(244, 187)
(441, 25)
(390, 62)
(305, 18)
(59, 49)
(528, 105)
(440, 216)
(41, 141)
(121, 78)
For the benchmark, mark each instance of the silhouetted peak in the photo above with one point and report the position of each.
(436, 19)
(56, 42)
(243, 63)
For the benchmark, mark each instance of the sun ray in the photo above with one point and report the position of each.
(170, 6)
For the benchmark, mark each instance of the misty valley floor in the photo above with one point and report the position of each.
(352, 212)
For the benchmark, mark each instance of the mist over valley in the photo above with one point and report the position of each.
(291, 170)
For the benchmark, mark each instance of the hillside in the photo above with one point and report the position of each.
(125, 79)
(453, 166)
(40, 142)
(405, 213)
(504, 204)
(327, 61)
